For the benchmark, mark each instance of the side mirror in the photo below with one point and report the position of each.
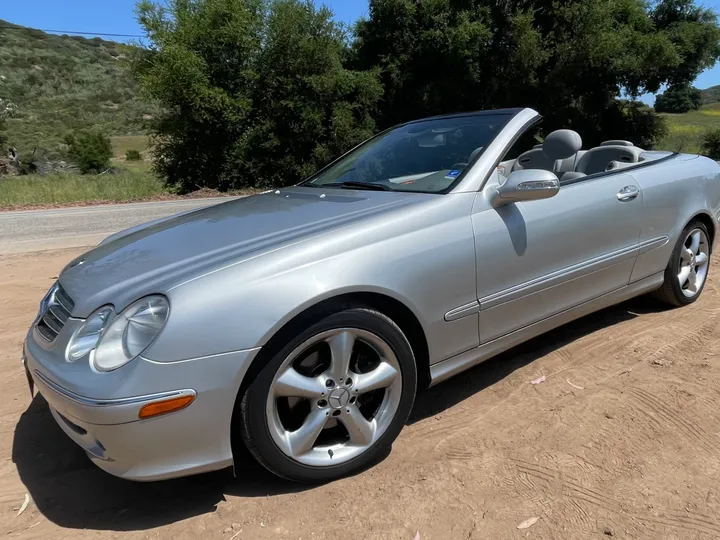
(526, 185)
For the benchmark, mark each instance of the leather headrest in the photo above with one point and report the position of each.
(616, 142)
(562, 144)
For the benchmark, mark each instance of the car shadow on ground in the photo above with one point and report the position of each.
(71, 492)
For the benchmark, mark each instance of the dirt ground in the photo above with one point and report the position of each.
(622, 439)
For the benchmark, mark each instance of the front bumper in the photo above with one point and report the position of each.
(192, 440)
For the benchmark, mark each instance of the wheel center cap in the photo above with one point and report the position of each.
(338, 398)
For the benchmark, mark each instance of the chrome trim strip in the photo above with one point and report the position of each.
(91, 402)
(653, 243)
(555, 278)
(456, 364)
(462, 311)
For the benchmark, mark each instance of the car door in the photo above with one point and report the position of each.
(538, 258)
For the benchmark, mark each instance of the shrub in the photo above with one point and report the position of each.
(711, 144)
(91, 152)
(133, 155)
(679, 99)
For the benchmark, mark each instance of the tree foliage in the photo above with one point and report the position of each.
(262, 92)
(91, 152)
(255, 92)
(679, 99)
(711, 144)
(570, 60)
(133, 155)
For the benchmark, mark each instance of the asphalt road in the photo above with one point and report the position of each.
(38, 230)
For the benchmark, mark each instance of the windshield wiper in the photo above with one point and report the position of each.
(364, 185)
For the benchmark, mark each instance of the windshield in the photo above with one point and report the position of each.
(426, 156)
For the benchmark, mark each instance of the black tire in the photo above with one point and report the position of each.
(671, 292)
(251, 414)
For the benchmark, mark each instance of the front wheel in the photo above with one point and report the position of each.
(687, 270)
(332, 399)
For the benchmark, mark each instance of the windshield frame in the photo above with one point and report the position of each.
(508, 113)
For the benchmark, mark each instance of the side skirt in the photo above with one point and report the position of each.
(456, 364)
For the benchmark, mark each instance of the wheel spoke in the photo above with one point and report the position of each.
(341, 348)
(683, 275)
(380, 377)
(701, 259)
(292, 384)
(302, 440)
(686, 255)
(692, 281)
(360, 430)
(695, 242)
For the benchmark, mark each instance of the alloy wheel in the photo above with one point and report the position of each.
(334, 396)
(693, 266)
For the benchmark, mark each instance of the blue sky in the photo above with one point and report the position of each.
(117, 17)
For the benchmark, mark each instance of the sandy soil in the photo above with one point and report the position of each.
(622, 439)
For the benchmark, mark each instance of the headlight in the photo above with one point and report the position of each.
(131, 332)
(87, 336)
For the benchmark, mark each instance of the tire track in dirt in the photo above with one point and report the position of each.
(576, 492)
(653, 406)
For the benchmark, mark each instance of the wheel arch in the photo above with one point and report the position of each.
(391, 307)
(707, 220)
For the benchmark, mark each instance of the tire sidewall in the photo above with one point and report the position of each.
(256, 421)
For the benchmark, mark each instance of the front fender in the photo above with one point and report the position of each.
(429, 266)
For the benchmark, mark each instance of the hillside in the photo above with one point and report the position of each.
(685, 131)
(711, 95)
(63, 83)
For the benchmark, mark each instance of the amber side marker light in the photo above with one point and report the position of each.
(157, 408)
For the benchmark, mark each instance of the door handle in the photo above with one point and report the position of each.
(628, 193)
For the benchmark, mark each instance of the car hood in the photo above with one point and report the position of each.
(152, 258)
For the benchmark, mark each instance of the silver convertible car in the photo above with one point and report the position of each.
(302, 321)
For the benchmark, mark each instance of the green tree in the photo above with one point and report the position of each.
(679, 99)
(254, 92)
(133, 155)
(91, 152)
(711, 144)
(570, 60)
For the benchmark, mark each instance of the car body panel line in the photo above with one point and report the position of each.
(441, 371)
(556, 278)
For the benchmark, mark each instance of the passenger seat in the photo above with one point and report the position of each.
(557, 153)
(596, 159)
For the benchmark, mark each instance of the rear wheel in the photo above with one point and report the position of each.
(687, 270)
(332, 399)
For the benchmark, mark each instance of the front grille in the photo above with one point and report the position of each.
(57, 312)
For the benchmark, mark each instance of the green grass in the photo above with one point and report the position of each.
(686, 130)
(63, 188)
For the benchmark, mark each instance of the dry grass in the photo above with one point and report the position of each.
(63, 188)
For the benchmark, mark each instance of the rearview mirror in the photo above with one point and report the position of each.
(527, 185)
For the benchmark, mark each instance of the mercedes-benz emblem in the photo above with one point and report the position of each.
(338, 398)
